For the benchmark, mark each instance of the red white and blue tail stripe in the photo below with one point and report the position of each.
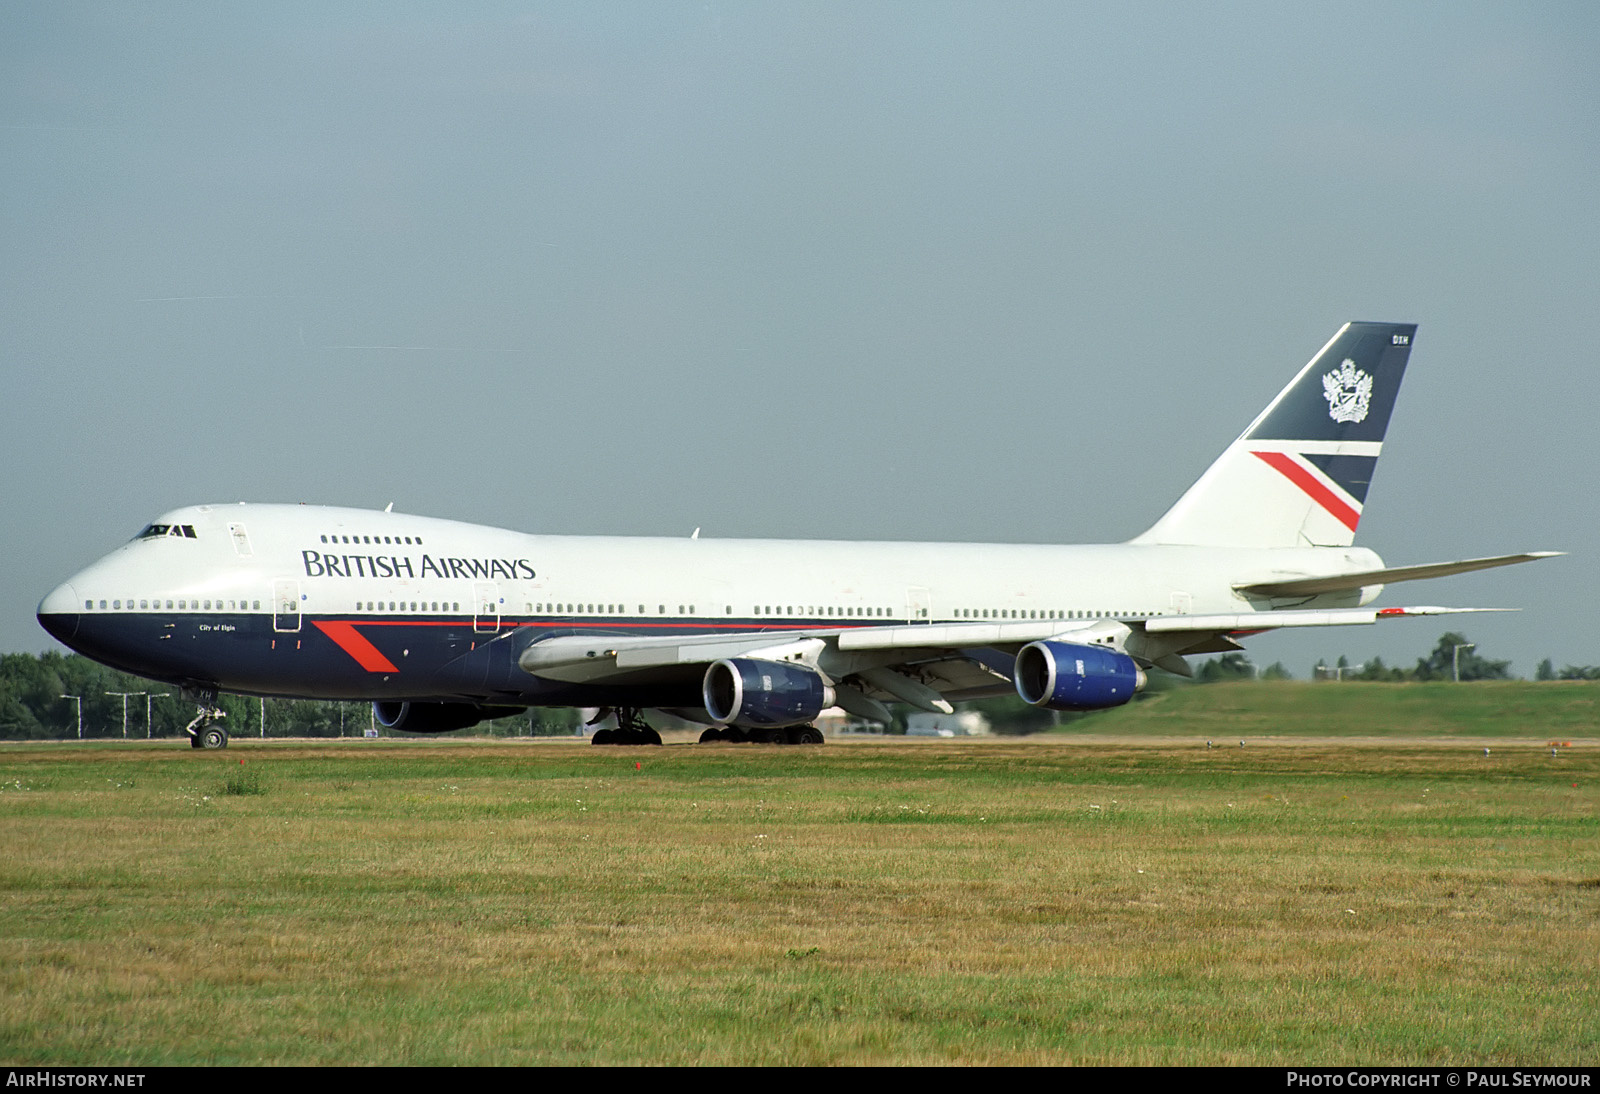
(1298, 477)
(1336, 480)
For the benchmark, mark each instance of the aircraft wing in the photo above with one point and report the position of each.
(1311, 586)
(1166, 640)
(925, 665)
(926, 670)
(1245, 623)
(585, 658)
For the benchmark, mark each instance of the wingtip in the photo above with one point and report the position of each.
(1434, 609)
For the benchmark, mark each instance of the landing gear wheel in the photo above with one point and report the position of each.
(805, 735)
(631, 729)
(770, 735)
(712, 736)
(202, 733)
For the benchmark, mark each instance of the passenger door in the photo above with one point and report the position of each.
(286, 606)
(485, 607)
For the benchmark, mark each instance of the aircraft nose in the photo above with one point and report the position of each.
(58, 612)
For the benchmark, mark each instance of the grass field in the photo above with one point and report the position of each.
(1497, 708)
(1071, 899)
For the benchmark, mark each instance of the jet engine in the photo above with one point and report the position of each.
(1067, 676)
(744, 691)
(418, 717)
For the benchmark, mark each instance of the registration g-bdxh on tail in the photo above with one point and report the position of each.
(441, 625)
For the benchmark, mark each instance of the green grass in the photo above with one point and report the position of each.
(1509, 708)
(1064, 900)
(243, 781)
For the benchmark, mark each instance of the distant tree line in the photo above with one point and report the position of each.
(41, 697)
(1452, 658)
(1548, 671)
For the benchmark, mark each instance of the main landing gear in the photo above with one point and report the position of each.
(766, 735)
(631, 729)
(202, 733)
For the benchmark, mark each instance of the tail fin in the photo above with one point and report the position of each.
(1298, 476)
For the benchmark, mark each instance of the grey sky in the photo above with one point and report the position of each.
(923, 271)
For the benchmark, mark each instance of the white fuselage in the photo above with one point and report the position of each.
(354, 563)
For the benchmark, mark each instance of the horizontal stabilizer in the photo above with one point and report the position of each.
(1251, 622)
(1310, 586)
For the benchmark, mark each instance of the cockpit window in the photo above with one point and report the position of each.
(176, 531)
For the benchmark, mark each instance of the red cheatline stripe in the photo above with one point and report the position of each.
(351, 641)
(1320, 494)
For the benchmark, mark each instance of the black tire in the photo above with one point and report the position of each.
(711, 736)
(805, 735)
(604, 737)
(771, 735)
(213, 737)
(194, 740)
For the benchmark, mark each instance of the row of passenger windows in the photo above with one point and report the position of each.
(600, 609)
(1050, 613)
(816, 612)
(689, 609)
(186, 605)
(414, 606)
(409, 541)
(180, 605)
(618, 609)
(812, 612)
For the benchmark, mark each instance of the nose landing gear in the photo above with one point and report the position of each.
(201, 730)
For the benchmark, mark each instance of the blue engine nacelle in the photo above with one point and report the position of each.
(417, 717)
(1067, 676)
(743, 691)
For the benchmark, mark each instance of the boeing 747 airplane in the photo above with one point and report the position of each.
(441, 625)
